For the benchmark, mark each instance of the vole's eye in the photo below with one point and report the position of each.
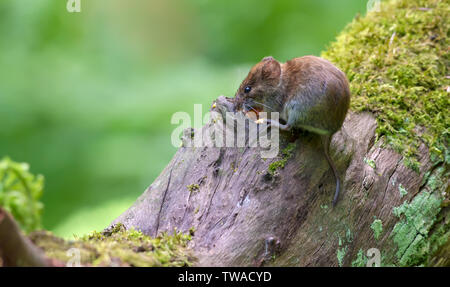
(247, 89)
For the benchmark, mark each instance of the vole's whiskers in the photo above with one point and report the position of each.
(264, 105)
(247, 106)
(278, 101)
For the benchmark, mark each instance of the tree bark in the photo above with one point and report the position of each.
(244, 215)
(251, 211)
(16, 249)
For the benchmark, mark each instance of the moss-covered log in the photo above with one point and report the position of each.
(15, 248)
(117, 246)
(392, 152)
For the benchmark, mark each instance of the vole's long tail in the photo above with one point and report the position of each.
(326, 139)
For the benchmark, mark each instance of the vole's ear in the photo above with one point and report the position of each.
(271, 70)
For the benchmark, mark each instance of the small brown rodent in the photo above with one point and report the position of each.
(309, 92)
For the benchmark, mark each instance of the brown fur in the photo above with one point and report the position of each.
(309, 93)
(319, 90)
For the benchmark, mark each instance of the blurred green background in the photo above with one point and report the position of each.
(86, 98)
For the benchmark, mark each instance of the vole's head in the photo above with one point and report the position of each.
(259, 89)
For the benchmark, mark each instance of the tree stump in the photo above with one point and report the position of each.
(246, 214)
(392, 154)
(394, 206)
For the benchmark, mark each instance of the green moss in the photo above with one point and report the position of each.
(370, 162)
(396, 61)
(119, 247)
(412, 231)
(436, 179)
(286, 153)
(402, 190)
(341, 252)
(377, 227)
(441, 256)
(343, 244)
(193, 187)
(361, 259)
(349, 235)
(422, 228)
(20, 193)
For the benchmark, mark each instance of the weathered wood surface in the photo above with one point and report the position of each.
(16, 249)
(244, 216)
